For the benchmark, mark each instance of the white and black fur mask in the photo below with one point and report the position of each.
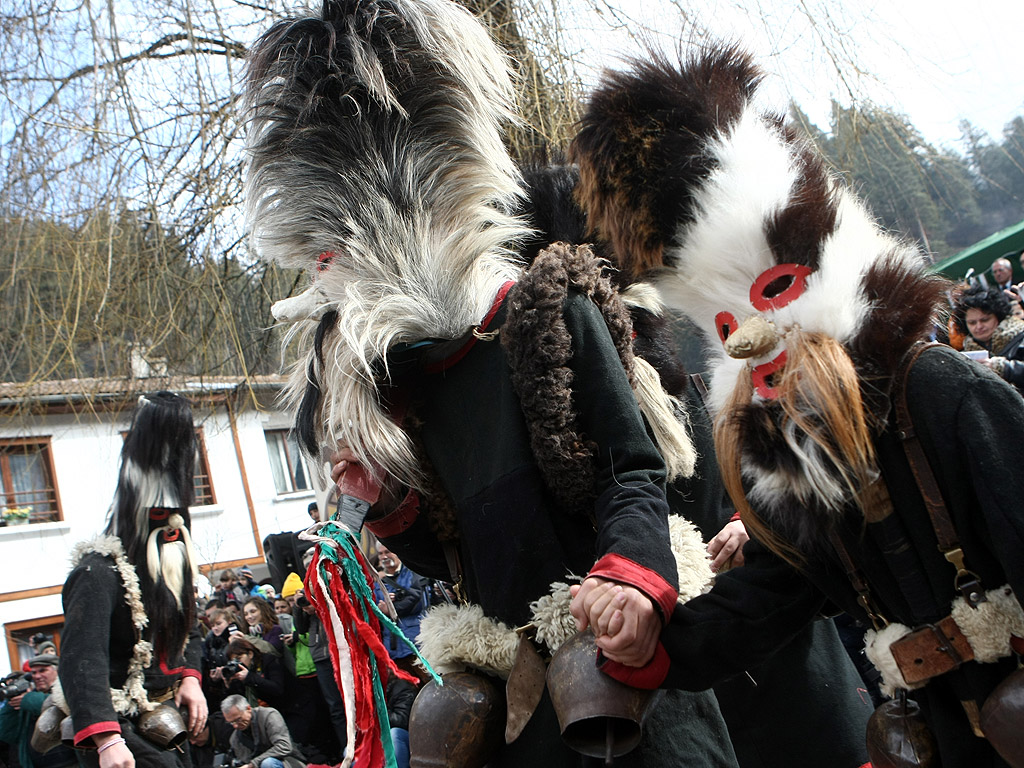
(150, 515)
(736, 219)
(376, 163)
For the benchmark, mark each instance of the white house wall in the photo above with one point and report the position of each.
(86, 452)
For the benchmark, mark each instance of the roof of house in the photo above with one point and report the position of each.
(69, 393)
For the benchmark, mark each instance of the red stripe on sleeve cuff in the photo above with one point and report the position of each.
(618, 568)
(648, 677)
(735, 516)
(192, 673)
(401, 519)
(92, 730)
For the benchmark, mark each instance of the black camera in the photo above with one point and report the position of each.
(14, 685)
(232, 668)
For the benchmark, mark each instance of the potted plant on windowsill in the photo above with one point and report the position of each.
(17, 515)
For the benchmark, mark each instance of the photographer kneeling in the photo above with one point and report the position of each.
(261, 737)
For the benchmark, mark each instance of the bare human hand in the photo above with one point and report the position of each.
(190, 695)
(116, 755)
(726, 548)
(391, 492)
(625, 622)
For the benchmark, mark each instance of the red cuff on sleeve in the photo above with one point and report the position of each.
(92, 730)
(192, 673)
(618, 568)
(394, 523)
(735, 517)
(648, 677)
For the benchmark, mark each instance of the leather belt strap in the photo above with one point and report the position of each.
(966, 582)
(931, 650)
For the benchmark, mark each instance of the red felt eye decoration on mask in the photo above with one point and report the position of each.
(778, 286)
(725, 324)
(323, 261)
(763, 376)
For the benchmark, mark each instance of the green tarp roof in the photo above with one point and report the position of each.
(984, 252)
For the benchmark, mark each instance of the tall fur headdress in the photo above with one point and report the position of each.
(806, 303)
(376, 163)
(150, 515)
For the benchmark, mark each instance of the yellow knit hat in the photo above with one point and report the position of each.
(291, 585)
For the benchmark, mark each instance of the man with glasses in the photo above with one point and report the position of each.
(261, 736)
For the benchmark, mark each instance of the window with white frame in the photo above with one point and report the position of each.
(286, 462)
(28, 491)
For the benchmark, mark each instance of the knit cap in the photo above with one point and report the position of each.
(291, 585)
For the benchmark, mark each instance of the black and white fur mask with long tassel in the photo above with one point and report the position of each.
(150, 515)
(806, 303)
(376, 164)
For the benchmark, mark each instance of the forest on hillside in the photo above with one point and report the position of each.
(120, 174)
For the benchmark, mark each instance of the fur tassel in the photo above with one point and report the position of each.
(990, 626)
(667, 419)
(693, 563)
(454, 637)
(550, 615)
(878, 649)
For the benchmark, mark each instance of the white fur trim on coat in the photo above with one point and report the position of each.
(989, 627)
(878, 649)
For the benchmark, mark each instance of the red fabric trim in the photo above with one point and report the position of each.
(615, 567)
(193, 673)
(452, 359)
(401, 519)
(648, 677)
(92, 730)
(735, 517)
(169, 670)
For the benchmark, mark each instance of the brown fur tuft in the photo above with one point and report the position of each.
(641, 148)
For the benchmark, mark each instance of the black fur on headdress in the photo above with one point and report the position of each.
(641, 147)
(157, 469)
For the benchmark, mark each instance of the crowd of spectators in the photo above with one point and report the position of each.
(268, 677)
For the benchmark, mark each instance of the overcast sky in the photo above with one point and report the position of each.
(938, 61)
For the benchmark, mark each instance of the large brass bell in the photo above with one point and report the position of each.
(1001, 718)
(598, 716)
(456, 725)
(46, 734)
(898, 737)
(163, 726)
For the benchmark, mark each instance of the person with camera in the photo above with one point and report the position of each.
(252, 673)
(23, 696)
(261, 738)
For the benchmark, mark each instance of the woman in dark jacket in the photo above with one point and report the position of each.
(261, 677)
(986, 316)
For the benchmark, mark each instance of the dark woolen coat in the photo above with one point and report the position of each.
(515, 538)
(96, 648)
(969, 422)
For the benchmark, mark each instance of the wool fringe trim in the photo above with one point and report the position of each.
(455, 637)
(988, 628)
(131, 698)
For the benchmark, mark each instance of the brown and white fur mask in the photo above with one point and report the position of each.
(376, 163)
(807, 305)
